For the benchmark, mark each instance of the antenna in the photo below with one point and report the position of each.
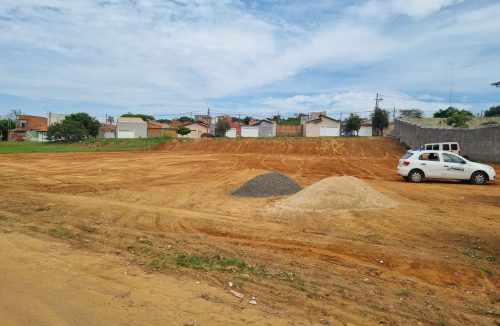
(451, 87)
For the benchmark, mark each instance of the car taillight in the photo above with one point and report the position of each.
(406, 163)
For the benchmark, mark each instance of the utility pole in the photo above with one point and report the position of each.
(378, 99)
(208, 119)
(394, 114)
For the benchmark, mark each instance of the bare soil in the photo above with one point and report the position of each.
(92, 238)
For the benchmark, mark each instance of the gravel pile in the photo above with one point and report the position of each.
(268, 184)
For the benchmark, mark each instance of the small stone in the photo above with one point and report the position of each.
(236, 294)
(324, 322)
(230, 284)
(253, 301)
(197, 282)
(365, 280)
(381, 261)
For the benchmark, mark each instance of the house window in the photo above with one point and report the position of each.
(23, 124)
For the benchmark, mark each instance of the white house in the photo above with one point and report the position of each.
(322, 126)
(131, 128)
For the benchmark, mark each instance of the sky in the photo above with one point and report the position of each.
(172, 58)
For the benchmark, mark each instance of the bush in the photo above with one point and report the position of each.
(494, 111)
(182, 131)
(488, 123)
(353, 123)
(448, 112)
(458, 120)
(66, 130)
(90, 124)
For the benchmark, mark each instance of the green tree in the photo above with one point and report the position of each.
(458, 120)
(411, 113)
(144, 117)
(449, 111)
(185, 119)
(67, 130)
(247, 120)
(5, 126)
(90, 124)
(353, 123)
(380, 120)
(223, 126)
(182, 131)
(494, 111)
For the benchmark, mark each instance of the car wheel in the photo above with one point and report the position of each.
(416, 176)
(479, 178)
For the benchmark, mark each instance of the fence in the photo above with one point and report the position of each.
(482, 144)
(288, 130)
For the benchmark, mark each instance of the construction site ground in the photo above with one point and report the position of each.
(154, 238)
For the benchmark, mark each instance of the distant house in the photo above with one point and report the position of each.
(234, 127)
(156, 129)
(322, 126)
(197, 128)
(176, 123)
(366, 129)
(29, 128)
(250, 131)
(107, 130)
(267, 128)
(127, 127)
(55, 118)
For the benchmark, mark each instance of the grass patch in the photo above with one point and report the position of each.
(9, 219)
(293, 279)
(159, 264)
(61, 233)
(491, 258)
(490, 311)
(211, 263)
(404, 292)
(472, 254)
(87, 145)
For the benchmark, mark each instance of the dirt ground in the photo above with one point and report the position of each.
(92, 239)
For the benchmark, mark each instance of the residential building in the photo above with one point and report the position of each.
(267, 128)
(107, 130)
(29, 128)
(322, 126)
(127, 127)
(55, 118)
(156, 129)
(197, 128)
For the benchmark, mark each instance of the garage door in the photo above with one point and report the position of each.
(365, 132)
(231, 133)
(125, 134)
(249, 131)
(327, 131)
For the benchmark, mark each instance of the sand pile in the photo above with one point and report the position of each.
(337, 193)
(268, 184)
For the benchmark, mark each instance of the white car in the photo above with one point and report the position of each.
(416, 166)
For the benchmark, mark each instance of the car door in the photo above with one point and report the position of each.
(431, 164)
(454, 167)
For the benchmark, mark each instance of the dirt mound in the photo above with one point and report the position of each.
(365, 147)
(337, 193)
(266, 185)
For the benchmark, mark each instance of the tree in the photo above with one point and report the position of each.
(67, 130)
(458, 120)
(380, 120)
(494, 111)
(164, 121)
(449, 111)
(185, 119)
(5, 126)
(144, 117)
(411, 113)
(90, 124)
(223, 126)
(247, 120)
(353, 123)
(182, 131)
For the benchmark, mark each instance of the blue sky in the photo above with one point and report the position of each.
(173, 57)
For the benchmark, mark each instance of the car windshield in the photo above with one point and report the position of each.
(452, 158)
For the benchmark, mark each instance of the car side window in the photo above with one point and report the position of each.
(452, 158)
(454, 147)
(435, 147)
(429, 157)
(428, 147)
(446, 147)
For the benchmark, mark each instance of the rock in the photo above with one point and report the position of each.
(253, 301)
(324, 322)
(236, 294)
(230, 284)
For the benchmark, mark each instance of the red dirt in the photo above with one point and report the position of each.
(397, 266)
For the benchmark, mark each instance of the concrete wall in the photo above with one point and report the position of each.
(481, 144)
(266, 129)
